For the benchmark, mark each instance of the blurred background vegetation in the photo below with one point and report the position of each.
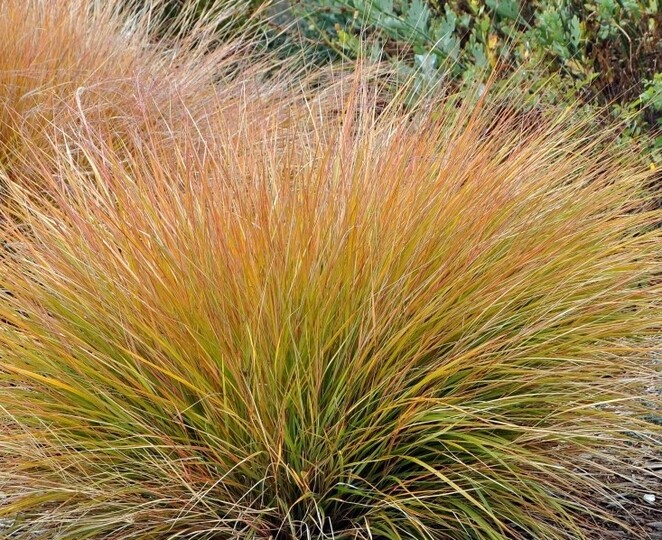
(604, 54)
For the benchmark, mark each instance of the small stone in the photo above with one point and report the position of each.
(655, 525)
(649, 498)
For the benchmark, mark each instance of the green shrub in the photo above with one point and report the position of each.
(598, 52)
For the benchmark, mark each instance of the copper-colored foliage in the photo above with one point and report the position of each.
(251, 307)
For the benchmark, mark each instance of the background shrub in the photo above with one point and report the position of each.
(600, 52)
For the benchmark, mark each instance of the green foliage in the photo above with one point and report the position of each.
(600, 52)
(652, 96)
(652, 99)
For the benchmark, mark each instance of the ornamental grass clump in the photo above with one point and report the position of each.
(383, 326)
